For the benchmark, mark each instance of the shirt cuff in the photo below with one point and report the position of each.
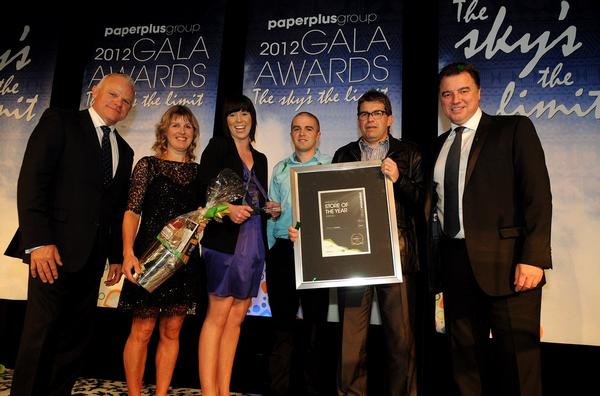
(28, 251)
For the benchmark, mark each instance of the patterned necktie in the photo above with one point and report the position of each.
(106, 156)
(451, 220)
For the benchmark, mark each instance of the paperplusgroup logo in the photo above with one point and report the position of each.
(123, 31)
(341, 20)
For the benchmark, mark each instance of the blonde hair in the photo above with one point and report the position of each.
(160, 145)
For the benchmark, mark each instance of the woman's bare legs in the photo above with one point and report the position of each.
(167, 351)
(229, 342)
(218, 343)
(135, 352)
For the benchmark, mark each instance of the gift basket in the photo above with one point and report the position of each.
(179, 237)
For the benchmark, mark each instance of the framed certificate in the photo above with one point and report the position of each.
(348, 231)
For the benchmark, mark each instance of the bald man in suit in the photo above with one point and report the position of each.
(494, 226)
(70, 206)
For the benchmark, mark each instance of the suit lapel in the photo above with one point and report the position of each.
(122, 145)
(478, 141)
(236, 160)
(394, 143)
(355, 151)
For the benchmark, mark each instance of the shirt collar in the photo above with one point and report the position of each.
(472, 123)
(97, 120)
(365, 146)
(293, 160)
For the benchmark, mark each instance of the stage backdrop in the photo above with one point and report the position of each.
(27, 60)
(541, 59)
(171, 62)
(319, 57)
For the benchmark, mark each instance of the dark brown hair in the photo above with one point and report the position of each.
(234, 104)
(456, 68)
(374, 95)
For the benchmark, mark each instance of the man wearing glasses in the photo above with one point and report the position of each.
(401, 163)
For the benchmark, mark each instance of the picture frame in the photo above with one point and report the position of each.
(348, 232)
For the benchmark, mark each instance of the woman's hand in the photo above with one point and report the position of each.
(131, 265)
(202, 225)
(239, 213)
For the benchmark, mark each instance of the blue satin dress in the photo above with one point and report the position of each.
(239, 274)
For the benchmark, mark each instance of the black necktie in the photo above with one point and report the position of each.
(451, 221)
(106, 156)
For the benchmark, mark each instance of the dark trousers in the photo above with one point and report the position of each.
(291, 337)
(57, 329)
(395, 305)
(508, 364)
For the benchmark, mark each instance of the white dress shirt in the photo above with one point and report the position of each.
(99, 122)
(439, 170)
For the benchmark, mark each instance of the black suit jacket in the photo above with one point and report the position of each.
(507, 203)
(221, 153)
(408, 193)
(60, 194)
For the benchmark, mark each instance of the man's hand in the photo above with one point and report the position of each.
(44, 261)
(273, 208)
(293, 233)
(527, 277)
(114, 275)
(390, 169)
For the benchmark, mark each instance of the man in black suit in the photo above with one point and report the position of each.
(401, 162)
(70, 214)
(494, 208)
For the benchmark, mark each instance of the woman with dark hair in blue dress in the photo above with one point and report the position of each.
(234, 250)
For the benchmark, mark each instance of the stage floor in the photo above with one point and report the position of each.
(98, 387)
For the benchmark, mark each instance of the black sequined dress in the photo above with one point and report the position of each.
(161, 190)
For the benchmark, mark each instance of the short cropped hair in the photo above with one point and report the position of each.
(456, 68)
(374, 95)
(308, 114)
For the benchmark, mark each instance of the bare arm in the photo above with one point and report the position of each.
(131, 221)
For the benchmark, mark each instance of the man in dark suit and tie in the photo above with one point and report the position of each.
(71, 195)
(494, 208)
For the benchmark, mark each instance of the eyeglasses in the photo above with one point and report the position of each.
(377, 114)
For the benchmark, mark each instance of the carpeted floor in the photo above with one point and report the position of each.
(98, 387)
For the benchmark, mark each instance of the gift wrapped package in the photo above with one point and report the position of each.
(179, 237)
